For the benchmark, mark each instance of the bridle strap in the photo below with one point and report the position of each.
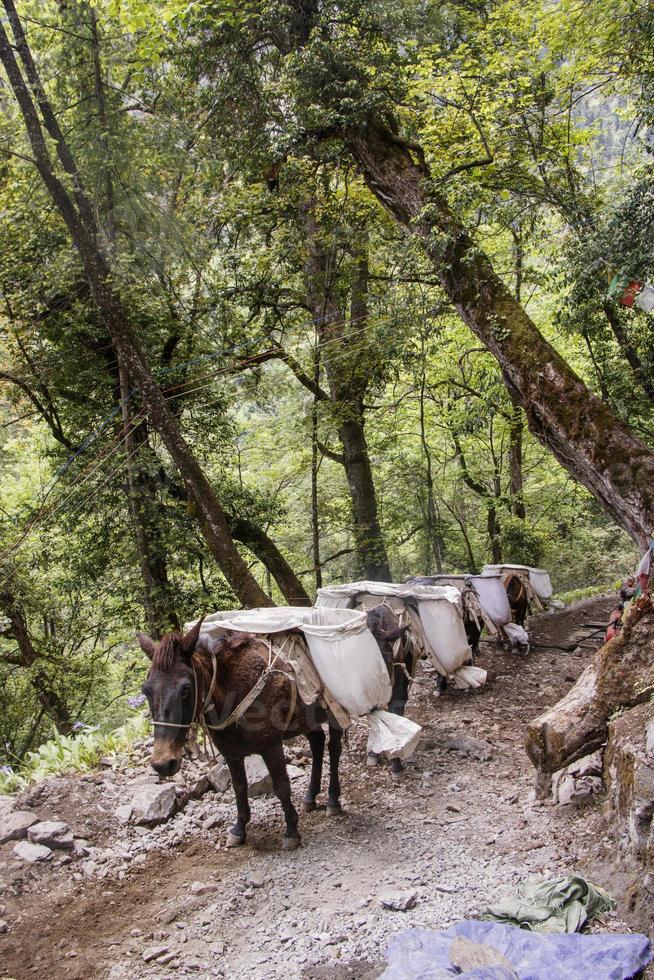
(172, 724)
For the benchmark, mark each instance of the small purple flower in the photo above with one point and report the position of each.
(78, 725)
(136, 701)
(6, 770)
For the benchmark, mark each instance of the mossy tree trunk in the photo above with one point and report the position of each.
(620, 675)
(580, 430)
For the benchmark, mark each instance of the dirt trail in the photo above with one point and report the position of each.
(457, 830)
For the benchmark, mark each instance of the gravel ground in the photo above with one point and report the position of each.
(460, 829)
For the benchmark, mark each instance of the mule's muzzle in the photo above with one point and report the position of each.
(166, 767)
(166, 757)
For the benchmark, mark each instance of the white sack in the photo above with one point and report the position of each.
(440, 610)
(541, 583)
(538, 578)
(328, 600)
(442, 622)
(352, 668)
(343, 650)
(396, 736)
(469, 676)
(278, 619)
(493, 597)
(516, 633)
(332, 595)
(473, 607)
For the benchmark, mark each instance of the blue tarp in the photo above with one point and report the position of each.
(423, 954)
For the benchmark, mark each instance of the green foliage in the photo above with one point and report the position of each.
(81, 752)
(217, 167)
(522, 543)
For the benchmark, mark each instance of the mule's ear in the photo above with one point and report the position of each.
(190, 639)
(148, 646)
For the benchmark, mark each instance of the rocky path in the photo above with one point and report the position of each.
(459, 830)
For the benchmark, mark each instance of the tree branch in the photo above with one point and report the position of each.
(46, 414)
(468, 479)
(330, 454)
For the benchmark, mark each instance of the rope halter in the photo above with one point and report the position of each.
(205, 707)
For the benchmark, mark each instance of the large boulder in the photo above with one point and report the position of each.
(259, 781)
(15, 824)
(150, 804)
(219, 777)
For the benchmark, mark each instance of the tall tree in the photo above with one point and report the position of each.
(349, 378)
(78, 214)
(580, 430)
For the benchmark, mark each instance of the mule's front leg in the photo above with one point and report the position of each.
(276, 765)
(334, 795)
(237, 833)
(317, 744)
(401, 689)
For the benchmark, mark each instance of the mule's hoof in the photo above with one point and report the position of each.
(235, 840)
(397, 773)
(290, 843)
(372, 759)
(308, 806)
(334, 810)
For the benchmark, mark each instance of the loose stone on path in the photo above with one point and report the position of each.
(32, 852)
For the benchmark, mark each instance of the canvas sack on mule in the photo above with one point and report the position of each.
(434, 615)
(342, 651)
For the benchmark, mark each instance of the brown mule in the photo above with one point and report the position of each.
(186, 686)
(384, 626)
(518, 597)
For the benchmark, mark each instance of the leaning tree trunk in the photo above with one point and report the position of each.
(581, 431)
(620, 675)
(212, 517)
(76, 210)
(158, 600)
(264, 548)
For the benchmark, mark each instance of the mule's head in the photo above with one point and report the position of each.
(383, 626)
(170, 688)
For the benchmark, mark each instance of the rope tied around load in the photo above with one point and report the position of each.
(235, 716)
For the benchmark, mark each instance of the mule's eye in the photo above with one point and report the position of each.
(186, 693)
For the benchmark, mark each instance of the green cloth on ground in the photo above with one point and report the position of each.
(560, 905)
